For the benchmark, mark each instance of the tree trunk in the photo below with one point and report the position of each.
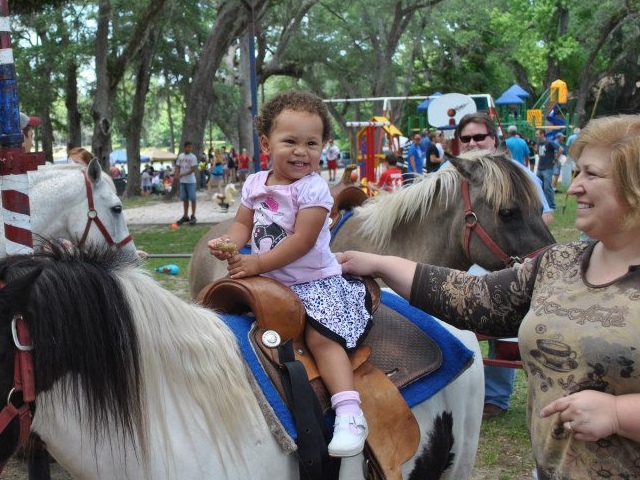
(230, 23)
(172, 127)
(245, 115)
(110, 70)
(74, 118)
(136, 117)
(44, 75)
(101, 108)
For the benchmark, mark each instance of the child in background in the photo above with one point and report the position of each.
(285, 214)
(391, 178)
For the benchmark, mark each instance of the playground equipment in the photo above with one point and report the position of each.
(373, 139)
(550, 112)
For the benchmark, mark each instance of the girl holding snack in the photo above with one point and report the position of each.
(284, 213)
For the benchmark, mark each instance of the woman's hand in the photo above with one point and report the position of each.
(588, 415)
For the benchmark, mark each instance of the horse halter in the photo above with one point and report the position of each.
(473, 225)
(23, 383)
(92, 216)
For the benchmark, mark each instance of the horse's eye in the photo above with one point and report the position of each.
(508, 214)
(117, 209)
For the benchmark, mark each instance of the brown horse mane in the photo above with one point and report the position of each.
(502, 182)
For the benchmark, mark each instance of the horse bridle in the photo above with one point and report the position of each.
(23, 383)
(23, 376)
(473, 225)
(92, 217)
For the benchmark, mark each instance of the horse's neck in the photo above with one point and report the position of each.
(435, 239)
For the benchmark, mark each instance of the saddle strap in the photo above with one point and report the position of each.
(394, 434)
(313, 456)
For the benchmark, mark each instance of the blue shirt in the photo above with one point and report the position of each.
(518, 148)
(416, 153)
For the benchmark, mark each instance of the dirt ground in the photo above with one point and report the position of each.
(16, 469)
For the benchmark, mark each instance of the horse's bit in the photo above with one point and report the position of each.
(92, 216)
(472, 224)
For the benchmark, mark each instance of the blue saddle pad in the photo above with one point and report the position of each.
(455, 358)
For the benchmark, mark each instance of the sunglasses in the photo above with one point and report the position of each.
(478, 137)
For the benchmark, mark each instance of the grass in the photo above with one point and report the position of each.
(504, 452)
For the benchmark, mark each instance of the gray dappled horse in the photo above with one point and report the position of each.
(428, 221)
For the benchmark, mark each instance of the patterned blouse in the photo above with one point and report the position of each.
(573, 336)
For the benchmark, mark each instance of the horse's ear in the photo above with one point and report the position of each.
(467, 168)
(94, 170)
(15, 292)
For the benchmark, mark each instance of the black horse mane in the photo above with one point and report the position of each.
(78, 317)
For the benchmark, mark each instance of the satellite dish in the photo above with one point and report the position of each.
(447, 110)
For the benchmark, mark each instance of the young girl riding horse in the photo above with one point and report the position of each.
(285, 214)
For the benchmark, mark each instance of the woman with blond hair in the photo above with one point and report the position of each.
(575, 309)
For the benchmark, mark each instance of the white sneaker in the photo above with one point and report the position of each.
(349, 435)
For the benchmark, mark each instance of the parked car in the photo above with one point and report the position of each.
(344, 158)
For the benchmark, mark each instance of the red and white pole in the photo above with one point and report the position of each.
(14, 162)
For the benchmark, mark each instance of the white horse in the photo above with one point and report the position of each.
(157, 389)
(67, 201)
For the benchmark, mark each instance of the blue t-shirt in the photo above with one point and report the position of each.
(518, 148)
(415, 152)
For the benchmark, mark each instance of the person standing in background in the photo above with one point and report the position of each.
(243, 166)
(547, 157)
(414, 160)
(232, 165)
(426, 140)
(186, 166)
(27, 125)
(560, 159)
(477, 131)
(333, 153)
(145, 181)
(391, 178)
(434, 156)
(517, 146)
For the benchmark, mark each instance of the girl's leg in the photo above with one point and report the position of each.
(332, 361)
(350, 428)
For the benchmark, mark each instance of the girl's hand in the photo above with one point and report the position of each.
(241, 266)
(222, 248)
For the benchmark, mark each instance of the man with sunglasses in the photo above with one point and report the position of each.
(476, 131)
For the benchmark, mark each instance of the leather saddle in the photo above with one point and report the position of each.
(394, 433)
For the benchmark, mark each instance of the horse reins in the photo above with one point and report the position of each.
(92, 217)
(23, 382)
(473, 225)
